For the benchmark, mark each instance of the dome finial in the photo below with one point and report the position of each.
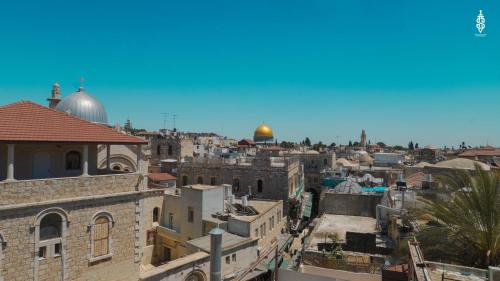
(80, 89)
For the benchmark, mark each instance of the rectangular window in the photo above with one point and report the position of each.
(264, 228)
(257, 232)
(270, 225)
(228, 260)
(42, 252)
(190, 214)
(170, 220)
(101, 237)
(57, 249)
(234, 257)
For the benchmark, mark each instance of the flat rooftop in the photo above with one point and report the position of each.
(340, 224)
(261, 206)
(201, 186)
(229, 241)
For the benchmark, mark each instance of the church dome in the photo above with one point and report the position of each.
(84, 106)
(263, 133)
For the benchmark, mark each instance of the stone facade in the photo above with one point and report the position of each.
(170, 147)
(74, 227)
(264, 177)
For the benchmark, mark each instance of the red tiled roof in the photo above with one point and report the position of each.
(161, 176)
(26, 121)
(246, 142)
(486, 151)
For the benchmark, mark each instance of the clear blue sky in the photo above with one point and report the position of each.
(402, 70)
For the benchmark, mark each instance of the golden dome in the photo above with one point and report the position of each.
(263, 131)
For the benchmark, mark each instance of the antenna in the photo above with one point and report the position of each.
(166, 115)
(164, 120)
(174, 116)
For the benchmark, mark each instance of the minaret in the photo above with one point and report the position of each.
(363, 138)
(55, 97)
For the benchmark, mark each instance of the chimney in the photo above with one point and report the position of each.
(216, 254)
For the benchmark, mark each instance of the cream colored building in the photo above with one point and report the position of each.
(62, 217)
(190, 212)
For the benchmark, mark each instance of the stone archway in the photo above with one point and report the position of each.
(196, 275)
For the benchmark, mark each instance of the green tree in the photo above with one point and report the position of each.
(469, 220)
(287, 144)
(307, 141)
(381, 144)
(411, 146)
(350, 143)
(336, 249)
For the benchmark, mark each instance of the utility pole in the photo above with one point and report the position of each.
(276, 256)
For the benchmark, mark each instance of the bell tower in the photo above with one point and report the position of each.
(55, 98)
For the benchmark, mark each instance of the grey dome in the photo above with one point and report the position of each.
(84, 106)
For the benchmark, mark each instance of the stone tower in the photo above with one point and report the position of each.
(363, 138)
(55, 98)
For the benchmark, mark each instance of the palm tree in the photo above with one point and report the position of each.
(470, 218)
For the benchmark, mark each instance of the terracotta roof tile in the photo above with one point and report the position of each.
(26, 121)
(161, 176)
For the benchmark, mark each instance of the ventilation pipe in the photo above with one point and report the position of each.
(216, 254)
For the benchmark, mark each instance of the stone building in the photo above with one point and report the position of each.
(190, 214)
(263, 177)
(62, 217)
(314, 164)
(170, 146)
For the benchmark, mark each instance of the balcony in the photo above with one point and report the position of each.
(170, 231)
(51, 189)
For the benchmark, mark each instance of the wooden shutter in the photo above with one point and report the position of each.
(101, 237)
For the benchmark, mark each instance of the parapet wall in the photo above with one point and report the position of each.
(32, 191)
(350, 204)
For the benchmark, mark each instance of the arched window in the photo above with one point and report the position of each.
(200, 180)
(260, 185)
(236, 185)
(184, 180)
(170, 150)
(50, 227)
(156, 214)
(212, 181)
(158, 149)
(325, 162)
(73, 160)
(100, 233)
(117, 168)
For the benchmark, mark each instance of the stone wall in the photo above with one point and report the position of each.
(32, 191)
(21, 260)
(350, 204)
(278, 182)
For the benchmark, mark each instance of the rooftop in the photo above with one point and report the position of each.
(201, 186)
(229, 241)
(26, 121)
(341, 224)
(261, 206)
(161, 176)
